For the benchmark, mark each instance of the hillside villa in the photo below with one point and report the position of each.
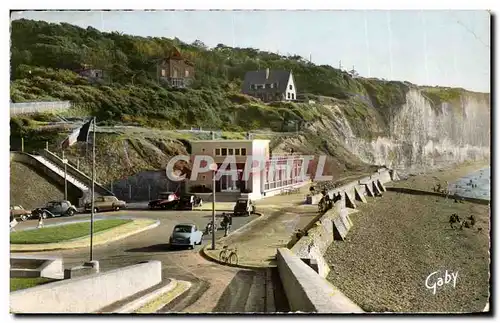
(270, 85)
(176, 71)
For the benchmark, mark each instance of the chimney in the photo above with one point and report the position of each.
(267, 73)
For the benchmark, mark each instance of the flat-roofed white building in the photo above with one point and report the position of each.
(258, 183)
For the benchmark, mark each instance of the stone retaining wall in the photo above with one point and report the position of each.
(297, 276)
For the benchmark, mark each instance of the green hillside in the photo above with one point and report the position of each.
(45, 56)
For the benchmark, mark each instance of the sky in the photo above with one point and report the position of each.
(446, 48)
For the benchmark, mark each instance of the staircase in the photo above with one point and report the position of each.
(75, 173)
(81, 186)
(53, 166)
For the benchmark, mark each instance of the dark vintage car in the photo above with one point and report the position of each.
(188, 201)
(54, 209)
(166, 200)
(243, 207)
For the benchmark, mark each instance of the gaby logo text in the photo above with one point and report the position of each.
(434, 280)
(253, 165)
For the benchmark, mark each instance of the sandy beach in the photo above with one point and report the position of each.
(398, 240)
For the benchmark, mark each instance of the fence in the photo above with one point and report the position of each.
(141, 193)
(34, 107)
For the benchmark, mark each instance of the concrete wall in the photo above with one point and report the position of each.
(36, 266)
(38, 107)
(383, 175)
(303, 268)
(319, 237)
(308, 292)
(87, 294)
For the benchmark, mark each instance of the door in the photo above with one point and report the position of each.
(57, 209)
(223, 181)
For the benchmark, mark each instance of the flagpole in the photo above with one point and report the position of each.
(92, 188)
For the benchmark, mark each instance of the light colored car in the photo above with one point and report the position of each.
(106, 203)
(18, 212)
(186, 235)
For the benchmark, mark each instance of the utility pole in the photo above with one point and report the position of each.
(340, 65)
(22, 144)
(214, 169)
(65, 162)
(92, 195)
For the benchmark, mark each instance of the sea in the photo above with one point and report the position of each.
(481, 179)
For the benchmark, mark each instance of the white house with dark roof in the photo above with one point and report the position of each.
(270, 85)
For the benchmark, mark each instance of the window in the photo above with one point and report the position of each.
(293, 96)
(217, 151)
(288, 95)
(290, 87)
(243, 151)
(252, 86)
(224, 152)
(202, 150)
(163, 72)
(176, 73)
(186, 73)
(276, 84)
(260, 86)
(237, 151)
(230, 151)
(203, 177)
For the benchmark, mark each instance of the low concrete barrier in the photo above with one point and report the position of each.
(308, 292)
(36, 266)
(320, 235)
(303, 268)
(377, 180)
(87, 294)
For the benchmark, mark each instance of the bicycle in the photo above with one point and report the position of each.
(229, 255)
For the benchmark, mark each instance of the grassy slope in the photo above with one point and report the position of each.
(29, 188)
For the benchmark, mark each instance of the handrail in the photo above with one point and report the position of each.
(74, 171)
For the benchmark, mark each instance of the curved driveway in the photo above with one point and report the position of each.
(211, 281)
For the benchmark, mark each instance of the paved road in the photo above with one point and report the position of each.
(215, 287)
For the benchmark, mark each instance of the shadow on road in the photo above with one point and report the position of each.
(162, 247)
(235, 296)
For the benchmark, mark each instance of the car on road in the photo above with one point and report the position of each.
(188, 201)
(186, 235)
(55, 209)
(106, 203)
(243, 207)
(18, 212)
(164, 201)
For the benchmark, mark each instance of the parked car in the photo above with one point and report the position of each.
(163, 201)
(18, 212)
(55, 209)
(243, 207)
(186, 235)
(106, 203)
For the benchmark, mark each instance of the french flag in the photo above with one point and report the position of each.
(80, 134)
